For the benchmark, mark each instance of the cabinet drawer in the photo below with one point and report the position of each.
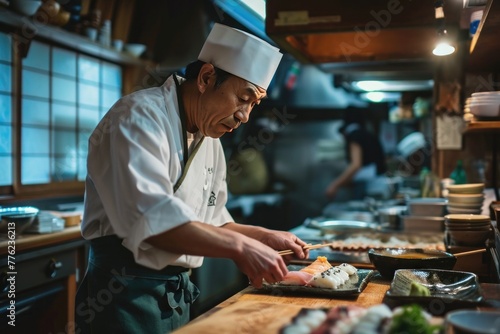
(39, 270)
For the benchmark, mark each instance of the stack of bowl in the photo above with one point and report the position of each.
(467, 230)
(465, 198)
(483, 104)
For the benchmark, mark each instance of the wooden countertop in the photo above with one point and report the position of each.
(251, 312)
(29, 241)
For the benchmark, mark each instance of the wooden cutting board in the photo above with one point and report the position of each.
(244, 317)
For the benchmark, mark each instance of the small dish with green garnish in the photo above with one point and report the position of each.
(437, 291)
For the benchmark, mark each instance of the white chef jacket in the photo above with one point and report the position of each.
(135, 160)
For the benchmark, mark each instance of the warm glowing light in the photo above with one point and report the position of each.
(443, 49)
(369, 85)
(393, 85)
(375, 96)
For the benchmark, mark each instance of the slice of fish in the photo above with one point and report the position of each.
(297, 278)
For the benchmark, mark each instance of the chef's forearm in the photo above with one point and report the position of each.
(251, 231)
(195, 238)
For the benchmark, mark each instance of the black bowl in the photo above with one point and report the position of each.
(17, 219)
(388, 260)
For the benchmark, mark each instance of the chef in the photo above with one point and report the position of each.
(156, 192)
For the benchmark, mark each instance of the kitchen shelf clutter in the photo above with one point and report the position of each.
(30, 27)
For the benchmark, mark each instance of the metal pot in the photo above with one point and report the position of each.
(390, 217)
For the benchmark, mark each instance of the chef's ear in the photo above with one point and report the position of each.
(206, 75)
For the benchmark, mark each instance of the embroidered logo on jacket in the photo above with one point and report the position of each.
(212, 199)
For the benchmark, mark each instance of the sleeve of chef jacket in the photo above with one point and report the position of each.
(135, 182)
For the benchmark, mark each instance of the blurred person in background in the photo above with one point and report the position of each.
(366, 160)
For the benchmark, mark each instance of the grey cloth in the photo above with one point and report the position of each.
(119, 296)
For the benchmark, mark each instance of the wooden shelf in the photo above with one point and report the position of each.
(28, 28)
(482, 126)
(484, 47)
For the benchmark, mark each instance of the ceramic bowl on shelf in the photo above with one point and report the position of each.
(493, 93)
(25, 7)
(468, 188)
(454, 199)
(486, 109)
(466, 218)
(134, 49)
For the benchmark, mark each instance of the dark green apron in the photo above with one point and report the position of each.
(119, 296)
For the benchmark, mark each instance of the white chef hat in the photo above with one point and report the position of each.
(241, 54)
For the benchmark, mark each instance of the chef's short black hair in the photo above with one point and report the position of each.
(194, 68)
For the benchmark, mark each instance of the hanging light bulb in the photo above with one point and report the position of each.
(443, 46)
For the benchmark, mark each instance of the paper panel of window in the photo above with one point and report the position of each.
(111, 75)
(5, 108)
(38, 56)
(35, 84)
(5, 47)
(5, 78)
(35, 112)
(5, 139)
(83, 146)
(88, 69)
(88, 95)
(6, 174)
(64, 167)
(64, 142)
(88, 118)
(64, 89)
(35, 169)
(64, 116)
(64, 62)
(35, 141)
(109, 97)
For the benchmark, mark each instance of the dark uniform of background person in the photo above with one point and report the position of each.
(364, 152)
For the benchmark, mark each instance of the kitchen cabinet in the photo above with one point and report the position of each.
(40, 280)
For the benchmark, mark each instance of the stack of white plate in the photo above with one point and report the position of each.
(467, 230)
(483, 104)
(465, 198)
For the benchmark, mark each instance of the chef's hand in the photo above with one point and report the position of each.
(260, 262)
(281, 240)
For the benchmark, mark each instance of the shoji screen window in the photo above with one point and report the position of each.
(6, 161)
(58, 119)
(35, 112)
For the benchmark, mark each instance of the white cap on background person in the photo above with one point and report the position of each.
(241, 54)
